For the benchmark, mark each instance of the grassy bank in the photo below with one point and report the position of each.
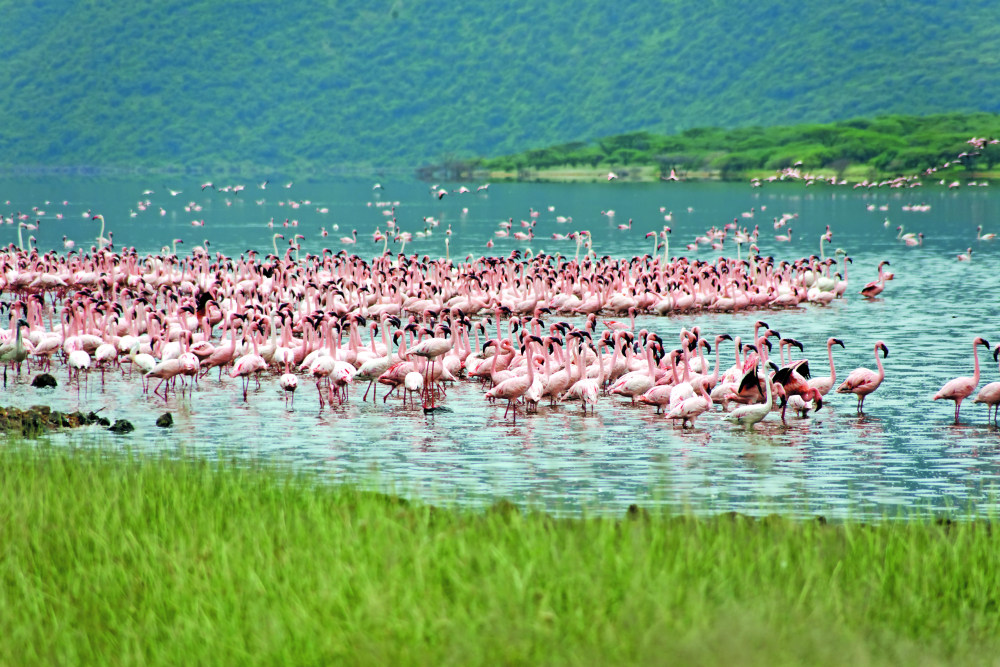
(157, 561)
(854, 150)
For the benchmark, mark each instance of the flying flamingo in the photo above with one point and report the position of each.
(990, 394)
(863, 381)
(962, 387)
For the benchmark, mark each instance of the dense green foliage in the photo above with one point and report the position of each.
(402, 83)
(887, 144)
(158, 561)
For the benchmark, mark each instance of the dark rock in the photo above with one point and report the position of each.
(44, 381)
(165, 420)
(122, 426)
(636, 513)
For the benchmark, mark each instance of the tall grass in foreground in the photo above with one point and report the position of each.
(105, 559)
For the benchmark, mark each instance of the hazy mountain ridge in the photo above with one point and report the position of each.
(405, 83)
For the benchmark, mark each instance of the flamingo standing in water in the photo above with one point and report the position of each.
(962, 387)
(824, 384)
(875, 287)
(347, 240)
(990, 394)
(863, 381)
(966, 257)
(515, 387)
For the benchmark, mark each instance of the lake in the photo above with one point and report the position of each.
(905, 452)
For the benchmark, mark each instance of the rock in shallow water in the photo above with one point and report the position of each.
(44, 381)
(165, 420)
(122, 426)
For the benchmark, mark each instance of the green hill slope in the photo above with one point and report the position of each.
(867, 148)
(403, 82)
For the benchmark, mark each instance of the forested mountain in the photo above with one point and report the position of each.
(405, 82)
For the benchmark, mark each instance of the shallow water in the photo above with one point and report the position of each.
(904, 452)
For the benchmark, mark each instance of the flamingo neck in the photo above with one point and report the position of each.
(833, 371)
(975, 355)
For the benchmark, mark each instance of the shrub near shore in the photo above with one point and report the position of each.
(121, 560)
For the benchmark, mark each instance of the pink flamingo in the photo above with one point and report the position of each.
(784, 238)
(962, 387)
(825, 384)
(248, 364)
(990, 394)
(863, 381)
(875, 287)
(515, 387)
(348, 240)
(966, 257)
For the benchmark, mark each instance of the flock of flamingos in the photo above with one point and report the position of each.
(431, 323)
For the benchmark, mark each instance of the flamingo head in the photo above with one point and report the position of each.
(837, 341)
(885, 350)
(982, 341)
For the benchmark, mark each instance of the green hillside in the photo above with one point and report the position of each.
(879, 146)
(400, 83)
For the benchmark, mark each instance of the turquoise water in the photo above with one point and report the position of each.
(904, 452)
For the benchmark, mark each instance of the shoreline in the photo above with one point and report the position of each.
(651, 174)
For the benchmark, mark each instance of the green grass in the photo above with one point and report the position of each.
(110, 559)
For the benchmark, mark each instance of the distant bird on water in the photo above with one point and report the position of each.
(612, 175)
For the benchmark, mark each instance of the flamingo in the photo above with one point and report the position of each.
(348, 240)
(875, 287)
(14, 351)
(825, 384)
(983, 237)
(515, 387)
(966, 257)
(863, 381)
(784, 238)
(748, 415)
(689, 409)
(289, 383)
(78, 361)
(990, 394)
(962, 387)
